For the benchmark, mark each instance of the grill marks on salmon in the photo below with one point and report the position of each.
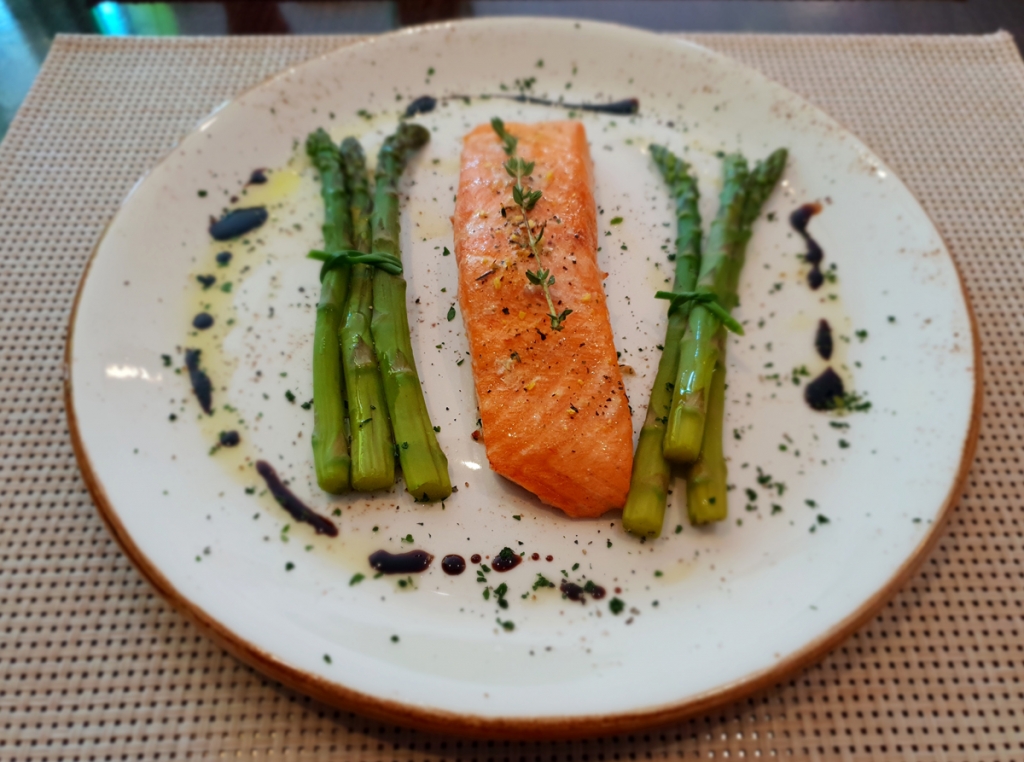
(552, 404)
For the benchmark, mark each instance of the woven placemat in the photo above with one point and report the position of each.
(94, 666)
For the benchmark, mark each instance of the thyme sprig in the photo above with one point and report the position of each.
(526, 199)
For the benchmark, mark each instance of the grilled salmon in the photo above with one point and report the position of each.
(553, 409)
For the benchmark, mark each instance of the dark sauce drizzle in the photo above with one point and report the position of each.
(287, 500)
(799, 220)
(507, 559)
(258, 177)
(223, 258)
(626, 106)
(422, 105)
(824, 391)
(201, 384)
(823, 340)
(453, 564)
(575, 592)
(237, 222)
(413, 562)
(229, 439)
(202, 321)
(207, 280)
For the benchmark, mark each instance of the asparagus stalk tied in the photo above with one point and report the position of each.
(707, 495)
(373, 453)
(424, 466)
(644, 511)
(699, 348)
(330, 443)
(743, 195)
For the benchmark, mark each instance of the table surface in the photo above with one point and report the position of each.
(27, 27)
(95, 666)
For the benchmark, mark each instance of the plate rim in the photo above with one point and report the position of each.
(334, 693)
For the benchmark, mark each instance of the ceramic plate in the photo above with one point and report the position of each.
(829, 514)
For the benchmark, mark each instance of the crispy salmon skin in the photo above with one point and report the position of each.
(552, 405)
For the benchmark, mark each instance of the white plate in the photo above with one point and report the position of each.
(738, 605)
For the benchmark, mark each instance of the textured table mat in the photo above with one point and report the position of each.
(95, 666)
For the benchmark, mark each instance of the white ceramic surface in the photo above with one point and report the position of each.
(732, 604)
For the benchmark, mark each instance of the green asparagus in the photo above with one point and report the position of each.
(706, 491)
(373, 452)
(330, 443)
(707, 496)
(743, 195)
(644, 512)
(424, 466)
(699, 349)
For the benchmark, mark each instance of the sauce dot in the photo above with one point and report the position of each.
(453, 564)
(475, 558)
(229, 438)
(202, 321)
(535, 556)
(550, 558)
(223, 258)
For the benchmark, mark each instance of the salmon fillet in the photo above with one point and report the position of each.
(552, 405)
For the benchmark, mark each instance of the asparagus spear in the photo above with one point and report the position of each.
(743, 195)
(698, 349)
(373, 451)
(644, 512)
(424, 466)
(330, 443)
(706, 495)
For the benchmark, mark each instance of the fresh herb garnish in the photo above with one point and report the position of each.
(526, 200)
(542, 581)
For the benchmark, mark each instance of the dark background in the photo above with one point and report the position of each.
(27, 27)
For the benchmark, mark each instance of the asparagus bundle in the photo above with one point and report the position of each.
(330, 443)
(706, 488)
(423, 464)
(644, 512)
(373, 454)
(699, 348)
(743, 194)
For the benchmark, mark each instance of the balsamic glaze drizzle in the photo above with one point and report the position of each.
(237, 222)
(507, 559)
(799, 220)
(229, 439)
(287, 500)
(575, 592)
(412, 562)
(823, 340)
(624, 107)
(201, 384)
(453, 564)
(823, 392)
(422, 105)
